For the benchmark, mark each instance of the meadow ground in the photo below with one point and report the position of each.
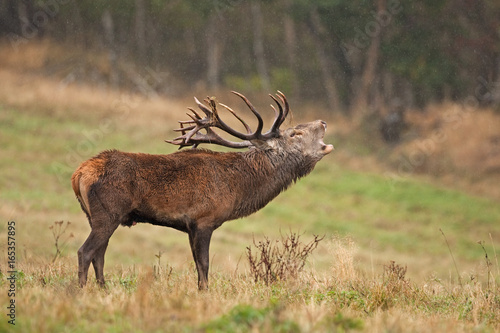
(402, 254)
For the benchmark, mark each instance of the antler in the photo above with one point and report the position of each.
(192, 137)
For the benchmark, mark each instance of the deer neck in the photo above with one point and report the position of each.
(280, 167)
(270, 173)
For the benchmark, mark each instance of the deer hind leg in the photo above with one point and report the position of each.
(94, 248)
(199, 240)
(105, 217)
(98, 263)
(85, 255)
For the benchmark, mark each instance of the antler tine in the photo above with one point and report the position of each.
(187, 136)
(249, 130)
(203, 108)
(184, 129)
(276, 113)
(195, 113)
(278, 119)
(260, 125)
(285, 102)
(210, 137)
(188, 132)
(216, 121)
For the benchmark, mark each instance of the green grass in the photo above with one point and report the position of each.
(403, 217)
(38, 154)
(387, 220)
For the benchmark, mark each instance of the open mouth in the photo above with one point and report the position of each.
(324, 124)
(327, 149)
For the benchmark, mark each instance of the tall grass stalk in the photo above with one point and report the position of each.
(452, 257)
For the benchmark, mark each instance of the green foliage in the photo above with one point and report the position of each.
(129, 283)
(246, 318)
(429, 67)
(282, 78)
(342, 323)
(240, 83)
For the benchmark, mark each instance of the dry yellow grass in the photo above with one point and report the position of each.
(457, 145)
(141, 299)
(470, 138)
(52, 97)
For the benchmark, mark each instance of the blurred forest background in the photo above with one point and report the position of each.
(411, 94)
(355, 56)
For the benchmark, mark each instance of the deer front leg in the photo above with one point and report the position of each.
(199, 240)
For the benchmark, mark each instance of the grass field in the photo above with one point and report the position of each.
(349, 284)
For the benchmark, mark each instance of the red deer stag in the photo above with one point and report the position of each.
(196, 190)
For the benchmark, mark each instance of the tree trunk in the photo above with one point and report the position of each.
(291, 49)
(214, 52)
(140, 29)
(258, 45)
(109, 40)
(369, 70)
(75, 25)
(9, 22)
(318, 35)
(28, 29)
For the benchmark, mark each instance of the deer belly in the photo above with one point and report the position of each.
(179, 223)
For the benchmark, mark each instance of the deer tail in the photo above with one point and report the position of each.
(81, 192)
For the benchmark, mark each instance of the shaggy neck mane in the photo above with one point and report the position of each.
(267, 174)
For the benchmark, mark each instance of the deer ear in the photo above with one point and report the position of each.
(296, 132)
